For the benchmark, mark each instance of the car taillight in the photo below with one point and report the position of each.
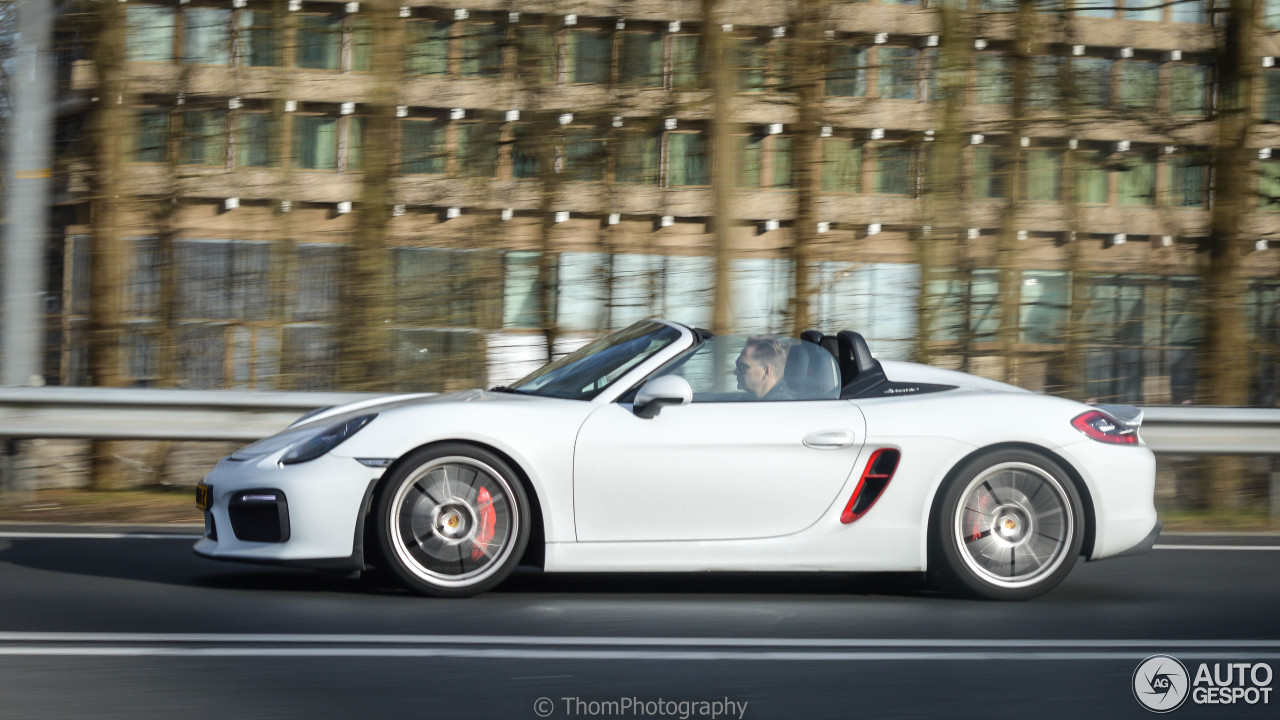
(1100, 426)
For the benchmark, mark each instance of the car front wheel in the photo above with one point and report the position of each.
(1009, 527)
(452, 520)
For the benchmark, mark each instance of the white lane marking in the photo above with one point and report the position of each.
(1215, 547)
(631, 641)
(94, 536)
(454, 653)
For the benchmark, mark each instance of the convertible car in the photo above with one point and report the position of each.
(662, 447)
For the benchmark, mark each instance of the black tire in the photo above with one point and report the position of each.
(452, 520)
(1001, 508)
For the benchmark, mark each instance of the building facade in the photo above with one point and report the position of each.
(576, 135)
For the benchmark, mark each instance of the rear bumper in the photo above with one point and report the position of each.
(1143, 546)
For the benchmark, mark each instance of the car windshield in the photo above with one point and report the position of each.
(583, 374)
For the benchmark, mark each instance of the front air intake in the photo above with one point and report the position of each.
(259, 516)
(875, 478)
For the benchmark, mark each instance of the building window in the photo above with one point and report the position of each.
(1271, 14)
(520, 307)
(202, 349)
(1189, 11)
(841, 165)
(747, 59)
(763, 161)
(258, 42)
(150, 31)
(1139, 85)
(144, 278)
(1116, 315)
(319, 42)
(761, 289)
(1091, 81)
(1137, 184)
(206, 36)
(894, 169)
(1091, 180)
(1188, 182)
(1043, 176)
(204, 138)
(149, 141)
(363, 44)
(589, 56)
(687, 159)
(1095, 8)
(428, 48)
(880, 299)
(355, 143)
(1189, 90)
(257, 137)
(482, 50)
(993, 86)
(309, 352)
(422, 147)
(1271, 99)
(584, 155)
(314, 294)
(315, 142)
(747, 154)
(640, 59)
(686, 62)
(638, 158)
(847, 71)
(1148, 10)
(536, 54)
(988, 173)
(526, 152)
(222, 280)
(1047, 75)
(1045, 300)
(964, 307)
(1269, 185)
(899, 73)
(439, 287)
(477, 149)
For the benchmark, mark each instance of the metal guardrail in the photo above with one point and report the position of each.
(151, 414)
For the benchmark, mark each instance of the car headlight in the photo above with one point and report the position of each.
(325, 440)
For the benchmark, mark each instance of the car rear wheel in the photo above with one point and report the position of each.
(1009, 527)
(452, 520)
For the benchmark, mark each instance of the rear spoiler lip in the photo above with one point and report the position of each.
(1129, 416)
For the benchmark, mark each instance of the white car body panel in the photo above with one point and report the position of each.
(708, 486)
(710, 471)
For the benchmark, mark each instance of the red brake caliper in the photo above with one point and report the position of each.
(975, 527)
(487, 520)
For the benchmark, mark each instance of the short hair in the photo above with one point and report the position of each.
(769, 351)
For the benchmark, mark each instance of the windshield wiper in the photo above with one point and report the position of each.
(507, 389)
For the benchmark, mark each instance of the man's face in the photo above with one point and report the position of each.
(751, 373)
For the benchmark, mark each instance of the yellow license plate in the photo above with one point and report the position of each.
(204, 496)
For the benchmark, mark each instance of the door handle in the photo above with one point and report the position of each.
(829, 439)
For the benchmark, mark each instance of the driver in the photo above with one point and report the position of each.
(760, 367)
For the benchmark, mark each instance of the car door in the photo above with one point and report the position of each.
(712, 470)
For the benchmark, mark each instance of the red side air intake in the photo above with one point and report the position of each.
(875, 478)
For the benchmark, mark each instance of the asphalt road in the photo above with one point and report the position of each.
(102, 626)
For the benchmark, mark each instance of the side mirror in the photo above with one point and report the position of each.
(661, 392)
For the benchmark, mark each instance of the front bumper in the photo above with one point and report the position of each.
(319, 509)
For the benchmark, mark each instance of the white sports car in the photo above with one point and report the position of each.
(661, 447)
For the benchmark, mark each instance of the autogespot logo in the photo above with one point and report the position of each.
(1160, 683)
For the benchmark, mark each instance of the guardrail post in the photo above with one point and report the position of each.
(1275, 492)
(13, 487)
